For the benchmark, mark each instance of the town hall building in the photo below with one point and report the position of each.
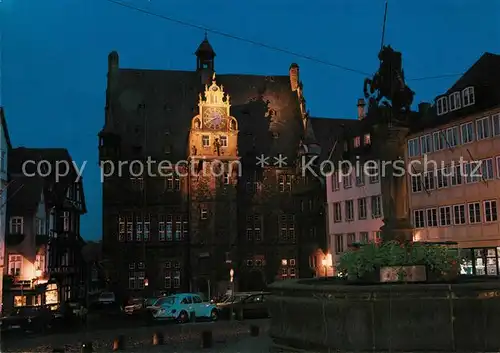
(209, 206)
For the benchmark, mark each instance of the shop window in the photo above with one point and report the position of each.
(19, 300)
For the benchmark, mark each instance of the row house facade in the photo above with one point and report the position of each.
(25, 272)
(209, 206)
(65, 204)
(354, 200)
(455, 189)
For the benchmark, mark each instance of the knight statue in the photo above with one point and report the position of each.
(387, 89)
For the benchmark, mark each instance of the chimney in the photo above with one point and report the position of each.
(361, 109)
(423, 108)
(294, 76)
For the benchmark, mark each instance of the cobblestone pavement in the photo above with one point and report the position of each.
(228, 336)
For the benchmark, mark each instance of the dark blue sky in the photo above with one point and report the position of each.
(55, 56)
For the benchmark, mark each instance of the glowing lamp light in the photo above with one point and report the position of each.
(324, 262)
(283, 262)
(146, 282)
(38, 273)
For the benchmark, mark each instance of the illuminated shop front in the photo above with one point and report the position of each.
(480, 261)
(51, 294)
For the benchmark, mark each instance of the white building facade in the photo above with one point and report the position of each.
(354, 211)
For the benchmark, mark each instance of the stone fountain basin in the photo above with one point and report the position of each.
(318, 315)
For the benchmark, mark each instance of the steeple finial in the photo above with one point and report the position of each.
(206, 35)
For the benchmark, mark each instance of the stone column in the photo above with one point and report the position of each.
(389, 144)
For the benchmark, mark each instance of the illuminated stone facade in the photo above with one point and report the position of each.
(212, 208)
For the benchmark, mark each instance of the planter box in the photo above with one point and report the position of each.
(403, 274)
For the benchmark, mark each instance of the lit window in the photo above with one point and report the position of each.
(203, 213)
(15, 265)
(357, 141)
(223, 141)
(367, 139)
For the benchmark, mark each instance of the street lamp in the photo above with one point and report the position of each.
(146, 282)
(324, 262)
(231, 279)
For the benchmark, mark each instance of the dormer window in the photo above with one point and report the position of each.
(442, 105)
(455, 101)
(468, 96)
(357, 141)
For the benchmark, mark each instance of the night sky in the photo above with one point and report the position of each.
(55, 56)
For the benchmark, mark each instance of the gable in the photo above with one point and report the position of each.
(152, 110)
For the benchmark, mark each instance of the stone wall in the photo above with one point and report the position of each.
(319, 315)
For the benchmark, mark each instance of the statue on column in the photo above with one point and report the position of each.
(389, 103)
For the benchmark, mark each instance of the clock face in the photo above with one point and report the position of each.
(214, 118)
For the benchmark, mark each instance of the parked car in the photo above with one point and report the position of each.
(106, 302)
(134, 306)
(250, 305)
(106, 298)
(182, 307)
(28, 318)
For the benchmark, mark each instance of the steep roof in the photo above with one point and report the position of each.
(205, 48)
(163, 104)
(484, 76)
(25, 194)
(54, 187)
(329, 131)
(484, 72)
(3, 121)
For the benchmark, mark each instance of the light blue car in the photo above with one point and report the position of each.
(182, 307)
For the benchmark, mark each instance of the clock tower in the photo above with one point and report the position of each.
(214, 170)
